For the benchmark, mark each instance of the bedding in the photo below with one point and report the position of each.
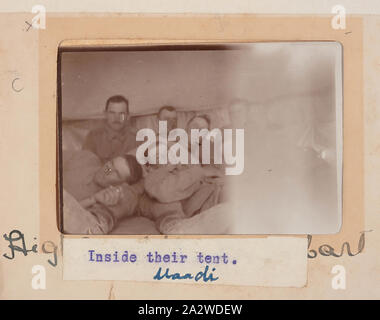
(77, 220)
(216, 220)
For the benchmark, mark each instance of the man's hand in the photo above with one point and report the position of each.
(109, 196)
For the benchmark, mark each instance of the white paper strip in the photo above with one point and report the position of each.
(272, 261)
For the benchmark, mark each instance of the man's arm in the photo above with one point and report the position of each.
(121, 201)
(108, 196)
(127, 203)
(109, 211)
(173, 183)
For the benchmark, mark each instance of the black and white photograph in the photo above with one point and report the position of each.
(204, 139)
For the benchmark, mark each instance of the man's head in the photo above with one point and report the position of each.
(117, 112)
(118, 170)
(198, 122)
(168, 114)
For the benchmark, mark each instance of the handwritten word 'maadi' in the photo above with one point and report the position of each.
(201, 275)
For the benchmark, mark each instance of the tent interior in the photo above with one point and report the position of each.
(292, 93)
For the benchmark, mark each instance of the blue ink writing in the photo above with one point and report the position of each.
(173, 258)
(212, 259)
(114, 257)
(202, 275)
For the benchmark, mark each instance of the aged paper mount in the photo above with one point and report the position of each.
(360, 269)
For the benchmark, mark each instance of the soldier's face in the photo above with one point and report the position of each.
(116, 115)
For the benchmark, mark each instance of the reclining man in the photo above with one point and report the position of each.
(108, 192)
(174, 193)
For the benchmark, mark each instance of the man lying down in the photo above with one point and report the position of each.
(98, 199)
(97, 196)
